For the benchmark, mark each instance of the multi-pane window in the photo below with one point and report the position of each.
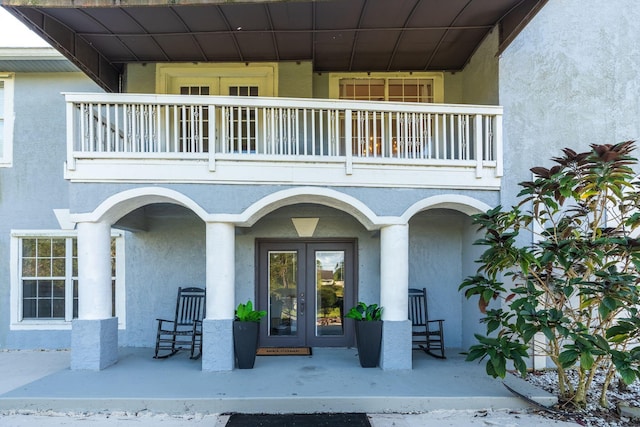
(49, 277)
(6, 119)
(387, 89)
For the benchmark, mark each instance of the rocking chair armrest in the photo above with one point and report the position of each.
(436, 320)
(161, 321)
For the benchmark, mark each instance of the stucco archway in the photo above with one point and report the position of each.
(314, 195)
(442, 254)
(115, 207)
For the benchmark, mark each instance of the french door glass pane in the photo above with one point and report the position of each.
(329, 292)
(283, 290)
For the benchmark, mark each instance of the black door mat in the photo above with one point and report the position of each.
(298, 420)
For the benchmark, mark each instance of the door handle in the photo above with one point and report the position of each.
(302, 304)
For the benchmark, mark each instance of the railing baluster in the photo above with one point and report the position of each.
(272, 120)
(497, 144)
(321, 127)
(347, 137)
(92, 133)
(429, 136)
(436, 133)
(296, 131)
(445, 140)
(305, 129)
(289, 134)
(98, 128)
(452, 136)
(176, 128)
(477, 123)
(393, 141)
(212, 138)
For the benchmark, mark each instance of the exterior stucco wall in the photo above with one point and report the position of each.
(569, 80)
(34, 185)
(295, 79)
(140, 78)
(170, 255)
(470, 311)
(435, 264)
(478, 82)
(235, 199)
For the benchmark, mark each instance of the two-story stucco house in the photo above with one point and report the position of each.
(268, 150)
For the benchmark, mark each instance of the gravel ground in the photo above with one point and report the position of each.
(593, 415)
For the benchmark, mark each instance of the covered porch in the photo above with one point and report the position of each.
(330, 380)
(218, 250)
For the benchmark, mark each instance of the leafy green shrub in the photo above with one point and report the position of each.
(574, 292)
(362, 311)
(246, 313)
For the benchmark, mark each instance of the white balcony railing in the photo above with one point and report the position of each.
(111, 131)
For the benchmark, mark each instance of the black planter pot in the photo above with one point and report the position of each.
(245, 343)
(369, 340)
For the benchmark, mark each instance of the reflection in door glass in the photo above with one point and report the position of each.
(283, 289)
(329, 293)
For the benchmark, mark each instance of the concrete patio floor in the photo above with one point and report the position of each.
(330, 380)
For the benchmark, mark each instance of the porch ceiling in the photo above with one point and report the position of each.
(100, 36)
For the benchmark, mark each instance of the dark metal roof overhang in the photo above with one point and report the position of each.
(101, 36)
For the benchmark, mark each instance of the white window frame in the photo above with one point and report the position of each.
(437, 77)
(17, 323)
(6, 152)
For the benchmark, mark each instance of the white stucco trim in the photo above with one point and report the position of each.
(316, 195)
(7, 120)
(120, 204)
(465, 204)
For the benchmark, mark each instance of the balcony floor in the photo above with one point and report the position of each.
(330, 380)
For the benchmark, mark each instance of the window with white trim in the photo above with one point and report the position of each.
(6, 119)
(45, 289)
(420, 87)
(396, 89)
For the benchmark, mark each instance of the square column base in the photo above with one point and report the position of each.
(396, 345)
(217, 345)
(94, 344)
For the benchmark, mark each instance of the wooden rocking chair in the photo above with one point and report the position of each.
(427, 335)
(185, 331)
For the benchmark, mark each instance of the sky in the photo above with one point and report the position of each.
(14, 33)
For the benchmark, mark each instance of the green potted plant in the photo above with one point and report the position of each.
(368, 332)
(246, 328)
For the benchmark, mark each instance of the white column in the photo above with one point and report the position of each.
(217, 327)
(394, 272)
(220, 270)
(394, 297)
(94, 334)
(94, 271)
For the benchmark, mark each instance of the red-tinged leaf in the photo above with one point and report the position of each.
(482, 304)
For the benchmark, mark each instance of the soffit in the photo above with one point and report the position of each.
(336, 35)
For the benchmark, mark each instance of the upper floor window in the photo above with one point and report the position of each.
(398, 90)
(6, 119)
(394, 87)
(45, 289)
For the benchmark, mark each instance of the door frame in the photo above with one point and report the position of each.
(306, 275)
(267, 72)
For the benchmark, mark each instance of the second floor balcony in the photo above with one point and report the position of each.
(257, 140)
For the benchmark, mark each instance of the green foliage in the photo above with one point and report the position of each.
(574, 293)
(246, 313)
(365, 312)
